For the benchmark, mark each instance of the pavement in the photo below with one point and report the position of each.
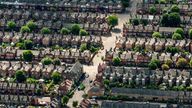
(108, 43)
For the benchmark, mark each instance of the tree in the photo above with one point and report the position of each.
(75, 103)
(64, 31)
(75, 29)
(169, 62)
(45, 30)
(116, 61)
(181, 63)
(28, 56)
(135, 21)
(112, 20)
(31, 25)
(177, 36)
(83, 47)
(180, 31)
(28, 44)
(164, 20)
(152, 66)
(165, 67)
(190, 34)
(65, 100)
(46, 61)
(175, 8)
(152, 10)
(20, 76)
(25, 29)
(156, 35)
(56, 77)
(190, 63)
(56, 61)
(174, 19)
(11, 25)
(83, 32)
(125, 3)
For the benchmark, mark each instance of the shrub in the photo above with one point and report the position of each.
(27, 55)
(25, 29)
(182, 63)
(56, 61)
(20, 76)
(156, 35)
(83, 32)
(112, 20)
(190, 34)
(177, 36)
(45, 30)
(152, 10)
(180, 31)
(64, 31)
(165, 67)
(28, 44)
(116, 61)
(46, 61)
(31, 25)
(175, 8)
(75, 29)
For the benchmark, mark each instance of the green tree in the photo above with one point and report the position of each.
(11, 25)
(45, 30)
(75, 103)
(190, 34)
(25, 29)
(75, 29)
(156, 35)
(190, 63)
(180, 31)
(175, 8)
(20, 76)
(112, 20)
(152, 66)
(116, 61)
(125, 3)
(164, 20)
(135, 21)
(169, 62)
(65, 100)
(28, 55)
(64, 31)
(174, 19)
(152, 10)
(181, 63)
(83, 32)
(83, 47)
(56, 61)
(177, 36)
(56, 77)
(31, 25)
(165, 67)
(28, 44)
(46, 61)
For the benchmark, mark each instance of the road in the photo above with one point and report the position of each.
(108, 42)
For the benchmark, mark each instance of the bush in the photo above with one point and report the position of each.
(93, 49)
(56, 61)
(180, 31)
(11, 25)
(177, 36)
(152, 10)
(171, 20)
(28, 56)
(28, 44)
(112, 20)
(169, 62)
(190, 34)
(64, 31)
(75, 103)
(152, 66)
(75, 29)
(31, 25)
(190, 63)
(135, 22)
(83, 47)
(83, 32)
(25, 29)
(116, 61)
(65, 100)
(156, 35)
(45, 30)
(172, 50)
(56, 77)
(20, 76)
(46, 61)
(182, 63)
(165, 67)
(175, 8)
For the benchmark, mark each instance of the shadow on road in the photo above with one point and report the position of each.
(116, 30)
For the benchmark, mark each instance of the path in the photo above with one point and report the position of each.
(108, 42)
